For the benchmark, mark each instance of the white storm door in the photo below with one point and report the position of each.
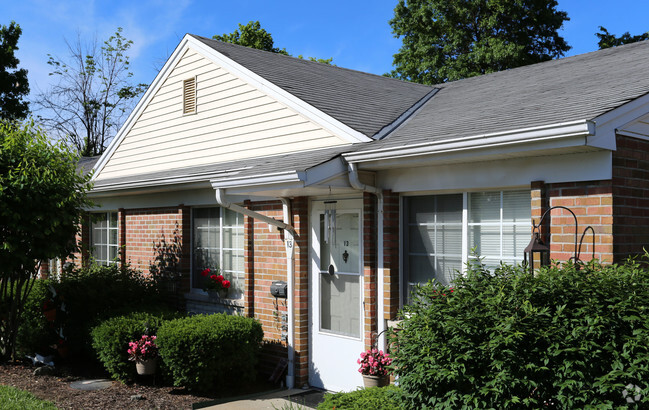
(336, 290)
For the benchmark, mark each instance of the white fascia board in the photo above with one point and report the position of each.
(580, 128)
(307, 110)
(608, 123)
(142, 104)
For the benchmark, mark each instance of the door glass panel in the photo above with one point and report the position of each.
(340, 303)
(339, 242)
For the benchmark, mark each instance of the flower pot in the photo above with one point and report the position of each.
(217, 295)
(223, 293)
(376, 381)
(146, 367)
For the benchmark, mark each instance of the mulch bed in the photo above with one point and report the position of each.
(119, 396)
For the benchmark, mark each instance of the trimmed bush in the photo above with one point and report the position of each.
(209, 352)
(111, 337)
(563, 338)
(371, 398)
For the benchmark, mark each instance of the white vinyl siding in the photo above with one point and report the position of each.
(234, 120)
(103, 237)
(441, 230)
(217, 242)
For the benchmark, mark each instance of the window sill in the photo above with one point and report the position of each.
(203, 297)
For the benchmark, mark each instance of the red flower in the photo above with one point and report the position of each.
(205, 272)
(213, 277)
(226, 283)
(219, 278)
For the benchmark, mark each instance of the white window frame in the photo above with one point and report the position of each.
(465, 230)
(108, 245)
(221, 227)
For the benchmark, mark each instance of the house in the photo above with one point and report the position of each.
(351, 187)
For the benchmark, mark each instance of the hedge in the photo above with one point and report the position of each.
(211, 352)
(565, 338)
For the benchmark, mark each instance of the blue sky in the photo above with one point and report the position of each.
(355, 33)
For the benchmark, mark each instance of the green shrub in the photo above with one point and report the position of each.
(209, 352)
(371, 398)
(111, 337)
(84, 297)
(35, 334)
(565, 337)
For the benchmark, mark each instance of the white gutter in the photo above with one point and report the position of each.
(580, 128)
(289, 243)
(357, 184)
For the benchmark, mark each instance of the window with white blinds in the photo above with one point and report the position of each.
(217, 242)
(440, 231)
(103, 237)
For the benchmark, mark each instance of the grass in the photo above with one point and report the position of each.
(16, 399)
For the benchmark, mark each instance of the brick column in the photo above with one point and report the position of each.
(300, 208)
(391, 254)
(369, 267)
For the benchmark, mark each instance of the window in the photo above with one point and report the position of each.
(103, 237)
(218, 242)
(189, 96)
(441, 230)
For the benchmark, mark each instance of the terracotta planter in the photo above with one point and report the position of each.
(146, 367)
(376, 381)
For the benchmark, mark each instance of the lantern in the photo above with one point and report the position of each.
(536, 251)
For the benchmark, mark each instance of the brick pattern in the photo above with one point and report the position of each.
(630, 197)
(369, 268)
(592, 203)
(300, 209)
(391, 254)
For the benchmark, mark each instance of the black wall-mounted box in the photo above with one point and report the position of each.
(279, 289)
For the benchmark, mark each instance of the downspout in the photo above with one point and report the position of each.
(289, 244)
(355, 182)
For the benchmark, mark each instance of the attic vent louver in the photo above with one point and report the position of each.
(189, 96)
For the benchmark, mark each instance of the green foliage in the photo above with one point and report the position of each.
(41, 200)
(253, 36)
(565, 337)
(446, 40)
(93, 95)
(35, 333)
(13, 81)
(607, 40)
(210, 352)
(85, 297)
(371, 398)
(111, 337)
(16, 399)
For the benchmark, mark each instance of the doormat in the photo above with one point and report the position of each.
(310, 398)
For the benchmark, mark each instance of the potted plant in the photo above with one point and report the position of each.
(374, 368)
(217, 286)
(144, 352)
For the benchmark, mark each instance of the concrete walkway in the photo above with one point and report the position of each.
(274, 400)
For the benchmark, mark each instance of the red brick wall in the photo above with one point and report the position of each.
(369, 267)
(630, 197)
(592, 203)
(300, 208)
(391, 254)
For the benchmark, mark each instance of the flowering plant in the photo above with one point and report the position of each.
(215, 281)
(143, 349)
(373, 363)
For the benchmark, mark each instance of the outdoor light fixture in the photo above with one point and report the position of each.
(538, 251)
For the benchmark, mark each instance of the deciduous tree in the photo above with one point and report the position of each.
(13, 81)
(94, 93)
(607, 40)
(42, 196)
(446, 40)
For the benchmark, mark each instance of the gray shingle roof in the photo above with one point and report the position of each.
(581, 87)
(363, 101)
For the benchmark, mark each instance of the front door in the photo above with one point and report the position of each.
(336, 294)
